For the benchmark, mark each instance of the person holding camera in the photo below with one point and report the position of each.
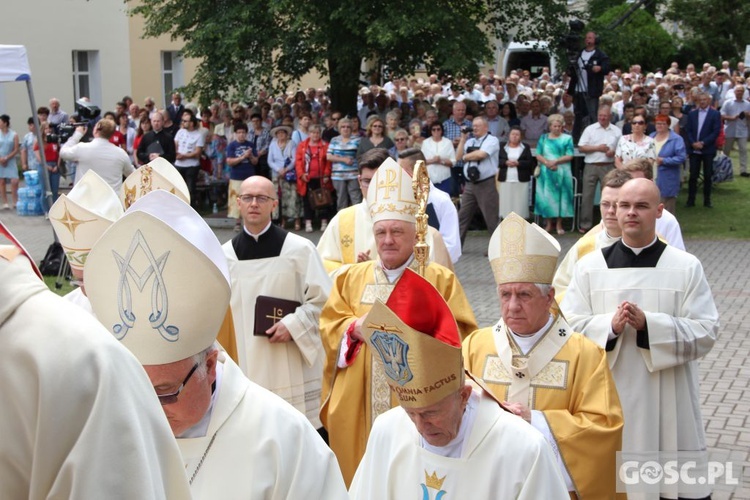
(112, 163)
(480, 156)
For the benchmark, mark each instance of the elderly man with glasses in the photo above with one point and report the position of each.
(236, 438)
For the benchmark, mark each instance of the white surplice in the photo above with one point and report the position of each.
(80, 418)
(294, 369)
(658, 387)
(258, 447)
(503, 457)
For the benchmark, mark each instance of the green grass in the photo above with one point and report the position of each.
(727, 220)
(66, 286)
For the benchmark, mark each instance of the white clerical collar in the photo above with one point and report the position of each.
(256, 236)
(638, 250)
(394, 274)
(455, 448)
(527, 342)
(201, 428)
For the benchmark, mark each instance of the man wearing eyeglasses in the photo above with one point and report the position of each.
(279, 286)
(236, 438)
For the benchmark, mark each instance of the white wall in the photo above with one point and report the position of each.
(51, 30)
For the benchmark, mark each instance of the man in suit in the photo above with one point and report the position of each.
(175, 109)
(704, 124)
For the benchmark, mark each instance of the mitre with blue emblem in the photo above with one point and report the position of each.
(520, 252)
(158, 280)
(80, 217)
(415, 336)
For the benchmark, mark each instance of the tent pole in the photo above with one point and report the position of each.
(39, 132)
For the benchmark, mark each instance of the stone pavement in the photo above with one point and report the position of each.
(724, 372)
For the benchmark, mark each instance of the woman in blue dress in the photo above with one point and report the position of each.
(554, 186)
(9, 150)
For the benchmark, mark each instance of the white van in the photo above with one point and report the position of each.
(531, 55)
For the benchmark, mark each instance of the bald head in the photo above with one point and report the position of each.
(638, 207)
(257, 200)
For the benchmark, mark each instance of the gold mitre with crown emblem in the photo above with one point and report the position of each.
(81, 217)
(390, 195)
(415, 336)
(158, 280)
(520, 252)
(158, 174)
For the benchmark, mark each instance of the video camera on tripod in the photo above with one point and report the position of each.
(85, 111)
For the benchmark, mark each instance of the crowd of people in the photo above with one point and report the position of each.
(356, 368)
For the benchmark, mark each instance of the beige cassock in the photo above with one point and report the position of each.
(79, 416)
(503, 457)
(658, 387)
(293, 370)
(257, 446)
(350, 232)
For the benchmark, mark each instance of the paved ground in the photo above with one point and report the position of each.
(724, 373)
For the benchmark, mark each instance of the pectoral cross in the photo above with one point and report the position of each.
(276, 315)
(389, 183)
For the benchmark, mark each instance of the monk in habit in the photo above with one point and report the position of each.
(554, 378)
(354, 388)
(650, 306)
(159, 281)
(349, 239)
(279, 286)
(447, 438)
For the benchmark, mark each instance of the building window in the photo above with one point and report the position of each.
(171, 74)
(86, 81)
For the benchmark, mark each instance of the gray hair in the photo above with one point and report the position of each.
(200, 359)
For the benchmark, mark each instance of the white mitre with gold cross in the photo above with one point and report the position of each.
(80, 217)
(520, 252)
(158, 280)
(158, 174)
(390, 195)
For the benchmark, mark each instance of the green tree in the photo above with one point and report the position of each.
(713, 30)
(247, 44)
(640, 40)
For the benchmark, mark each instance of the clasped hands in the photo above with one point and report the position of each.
(628, 313)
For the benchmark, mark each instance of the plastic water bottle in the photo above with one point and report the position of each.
(215, 209)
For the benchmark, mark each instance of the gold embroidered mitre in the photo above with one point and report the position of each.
(158, 280)
(416, 338)
(520, 252)
(390, 195)
(158, 174)
(81, 217)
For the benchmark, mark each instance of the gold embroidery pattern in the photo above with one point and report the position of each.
(553, 376)
(495, 372)
(530, 269)
(71, 222)
(347, 241)
(380, 391)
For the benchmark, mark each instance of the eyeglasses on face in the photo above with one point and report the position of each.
(258, 198)
(400, 139)
(377, 126)
(168, 399)
(638, 122)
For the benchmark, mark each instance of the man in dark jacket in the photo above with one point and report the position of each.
(587, 83)
(704, 125)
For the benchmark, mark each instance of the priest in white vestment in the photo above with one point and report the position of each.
(447, 438)
(80, 419)
(650, 305)
(552, 377)
(349, 238)
(159, 281)
(608, 232)
(267, 261)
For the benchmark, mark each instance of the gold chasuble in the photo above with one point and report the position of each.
(353, 396)
(566, 377)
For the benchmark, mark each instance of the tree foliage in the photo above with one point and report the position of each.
(640, 40)
(243, 45)
(713, 30)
